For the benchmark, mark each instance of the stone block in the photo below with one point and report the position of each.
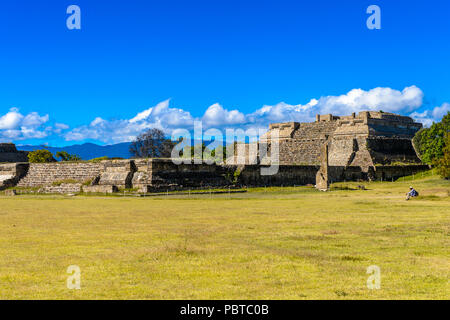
(100, 189)
(10, 193)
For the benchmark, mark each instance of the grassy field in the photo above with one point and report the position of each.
(275, 243)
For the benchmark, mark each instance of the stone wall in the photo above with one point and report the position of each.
(393, 126)
(356, 147)
(11, 173)
(315, 130)
(7, 147)
(389, 173)
(391, 150)
(117, 173)
(364, 139)
(300, 143)
(155, 175)
(45, 174)
(342, 151)
(100, 189)
(287, 175)
(300, 151)
(9, 153)
(163, 174)
(64, 188)
(322, 176)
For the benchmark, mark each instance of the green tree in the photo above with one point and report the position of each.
(40, 156)
(151, 144)
(443, 164)
(65, 156)
(430, 142)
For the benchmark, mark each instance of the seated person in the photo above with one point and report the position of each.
(412, 193)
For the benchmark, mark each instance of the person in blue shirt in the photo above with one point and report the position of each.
(412, 193)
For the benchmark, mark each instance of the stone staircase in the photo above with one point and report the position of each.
(45, 174)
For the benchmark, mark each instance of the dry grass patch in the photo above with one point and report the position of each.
(269, 243)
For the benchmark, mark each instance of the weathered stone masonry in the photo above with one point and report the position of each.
(367, 146)
(365, 139)
(155, 175)
(9, 153)
(12, 173)
(42, 174)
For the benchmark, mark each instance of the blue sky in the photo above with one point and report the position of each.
(137, 64)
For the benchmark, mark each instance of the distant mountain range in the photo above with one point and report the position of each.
(88, 151)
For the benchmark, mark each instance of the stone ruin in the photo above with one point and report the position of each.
(365, 139)
(322, 182)
(364, 146)
(9, 153)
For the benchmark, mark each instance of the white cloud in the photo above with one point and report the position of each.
(168, 119)
(10, 120)
(385, 99)
(16, 126)
(356, 100)
(142, 115)
(439, 112)
(216, 115)
(97, 121)
(34, 120)
(160, 116)
(427, 117)
(61, 126)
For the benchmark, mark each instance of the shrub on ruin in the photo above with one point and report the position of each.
(233, 176)
(96, 160)
(40, 156)
(88, 182)
(65, 181)
(65, 156)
